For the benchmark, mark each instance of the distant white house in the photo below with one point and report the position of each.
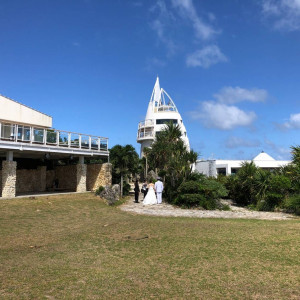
(228, 167)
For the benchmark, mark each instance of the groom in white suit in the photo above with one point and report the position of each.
(159, 187)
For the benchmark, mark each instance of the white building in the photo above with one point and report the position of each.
(30, 149)
(228, 167)
(161, 110)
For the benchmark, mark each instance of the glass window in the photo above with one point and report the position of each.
(63, 138)
(103, 144)
(8, 131)
(51, 137)
(221, 171)
(23, 133)
(165, 121)
(38, 135)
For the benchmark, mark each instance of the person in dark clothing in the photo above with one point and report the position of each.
(136, 191)
(145, 188)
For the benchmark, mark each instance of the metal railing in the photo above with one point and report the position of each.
(51, 137)
(165, 108)
(146, 123)
(145, 134)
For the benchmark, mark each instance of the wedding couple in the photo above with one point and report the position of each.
(151, 198)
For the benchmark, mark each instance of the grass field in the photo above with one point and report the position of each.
(76, 247)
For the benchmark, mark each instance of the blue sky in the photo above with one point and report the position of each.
(231, 67)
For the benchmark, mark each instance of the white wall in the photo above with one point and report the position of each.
(15, 112)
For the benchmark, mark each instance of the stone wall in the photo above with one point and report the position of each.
(81, 178)
(33, 180)
(50, 177)
(98, 175)
(9, 175)
(67, 177)
(40, 180)
(0, 183)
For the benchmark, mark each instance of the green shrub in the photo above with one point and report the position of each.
(202, 193)
(214, 189)
(292, 203)
(99, 190)
(224, 207)
(189, 187)
(126, 189)
(195, 200)
(276, 191)
(265, 205)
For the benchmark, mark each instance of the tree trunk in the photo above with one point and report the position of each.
(121, 187)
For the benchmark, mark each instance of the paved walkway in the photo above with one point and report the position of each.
(171, 211)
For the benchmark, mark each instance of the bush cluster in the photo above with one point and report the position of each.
(201, 192)
(99, 190)
(265, 190)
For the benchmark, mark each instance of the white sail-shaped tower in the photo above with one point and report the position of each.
(161, 110)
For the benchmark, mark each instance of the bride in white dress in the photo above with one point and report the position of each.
(150, 198)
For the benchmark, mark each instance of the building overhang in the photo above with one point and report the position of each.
(39, 151)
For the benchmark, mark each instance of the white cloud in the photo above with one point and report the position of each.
(285, 13)
(222, 116)
(235, 142)
(231, 95)
(206, 57)
(186, 8)
(293, 122)
(154, 63)
(161, 23)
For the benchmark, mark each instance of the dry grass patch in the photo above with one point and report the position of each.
(77, 247)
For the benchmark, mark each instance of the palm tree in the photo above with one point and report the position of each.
(262, 183)
(246, 178)
(296, 155)
(170, 156)
(125, 160)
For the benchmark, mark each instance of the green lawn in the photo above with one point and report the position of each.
(76, 247)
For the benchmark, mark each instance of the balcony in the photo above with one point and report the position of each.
(146, 123)
(49, 139)
(145, 135)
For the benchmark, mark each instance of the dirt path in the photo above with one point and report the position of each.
(169, 210)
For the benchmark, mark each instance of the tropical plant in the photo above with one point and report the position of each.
(242, 187)
(204, 193)
(125, 161)
(292, 203)
(170, 157)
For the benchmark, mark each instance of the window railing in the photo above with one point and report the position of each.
(144, 134)
(146, 123)
(51, 137)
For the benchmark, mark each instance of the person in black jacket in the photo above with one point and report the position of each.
(136, 191)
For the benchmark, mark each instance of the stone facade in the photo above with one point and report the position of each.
(9, 176)
(70, 178)
(66, 176)
(81, 178)
(98, 175)
(32, 180)
(0, 183)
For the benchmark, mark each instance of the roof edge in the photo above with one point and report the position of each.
(26, 106)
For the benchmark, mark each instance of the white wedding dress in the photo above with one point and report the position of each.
(150, 198)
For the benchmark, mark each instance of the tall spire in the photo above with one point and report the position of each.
(156, 91)
(154, 100)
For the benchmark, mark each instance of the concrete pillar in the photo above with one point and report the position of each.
(81, 175)
(10, 155)
(42, 178)
(107, 173)
(9, 178)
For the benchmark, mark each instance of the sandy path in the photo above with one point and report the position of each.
(169, 210)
